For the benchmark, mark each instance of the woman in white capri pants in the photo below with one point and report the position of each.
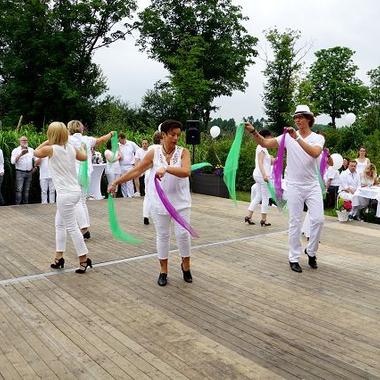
(261, 175)
(62, 158)
(303, 149)
(170, 163)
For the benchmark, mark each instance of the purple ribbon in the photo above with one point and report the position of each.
(278, 167)
(171, 210)
(323, 164)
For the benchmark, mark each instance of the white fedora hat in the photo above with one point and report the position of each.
(303, 110)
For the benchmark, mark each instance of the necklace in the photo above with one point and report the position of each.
(167, 153)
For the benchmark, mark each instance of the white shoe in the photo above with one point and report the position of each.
(136, 195)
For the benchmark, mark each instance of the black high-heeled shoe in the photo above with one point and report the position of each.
(58, 263)
(248, 220)
(84, 265)
(187, 277)
(263, 223)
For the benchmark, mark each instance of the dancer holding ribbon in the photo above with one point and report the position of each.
(171, 165)
(303, 149)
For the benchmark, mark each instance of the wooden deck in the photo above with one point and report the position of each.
(246, 315)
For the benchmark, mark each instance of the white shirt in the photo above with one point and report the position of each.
(360, 166)
(266, 162)
(332, 174)
(112, 167)
(25, 162)
(349, 180)
(44, 168)
(141, 153)
(1, 162)
(76, 140)
(62, 169)
(177, 189)
(301, 168)
(127, 152)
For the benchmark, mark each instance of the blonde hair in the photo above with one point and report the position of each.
(370, 167)
(57, 133)
(75, 126)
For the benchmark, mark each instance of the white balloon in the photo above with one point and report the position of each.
(350, 118)
(214, 131)
(337, 161)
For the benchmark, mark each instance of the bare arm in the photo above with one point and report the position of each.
(43, 150)
(266, 143)
(103, 139)
(312, 150)
(81, 154)
(182, 172)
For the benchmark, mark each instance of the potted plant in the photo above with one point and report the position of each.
(343, 209)
(209, 183)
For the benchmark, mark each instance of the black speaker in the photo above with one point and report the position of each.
(193, 135)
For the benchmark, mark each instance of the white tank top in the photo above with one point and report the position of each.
(360, 166)
(177, 189)
(62, 169)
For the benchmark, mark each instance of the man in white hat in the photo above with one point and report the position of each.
(303, 148)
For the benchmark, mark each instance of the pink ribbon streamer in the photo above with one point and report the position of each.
(172, 211)
(323, 164)
(278, 167)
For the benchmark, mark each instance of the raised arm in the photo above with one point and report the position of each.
(43, 150)
(104, 138)
(266, 143)
(182, 172)
(312, 150)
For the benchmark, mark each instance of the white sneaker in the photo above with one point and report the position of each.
(136, 195)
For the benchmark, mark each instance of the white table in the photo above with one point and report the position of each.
(95, 181)
(372, 192)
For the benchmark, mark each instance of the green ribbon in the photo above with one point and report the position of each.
(116, 230)
(232, 162)
(114, 145)
(321, 184)
(200, 165)
(281, 205)
(83, 177)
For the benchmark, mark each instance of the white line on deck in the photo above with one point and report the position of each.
(40, 276)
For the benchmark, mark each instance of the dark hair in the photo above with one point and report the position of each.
(351, 160)
(309, 118)
(168, 125)
(109, 144)
(157, 136)
(265, 133)
(122, 135)
(362, 147)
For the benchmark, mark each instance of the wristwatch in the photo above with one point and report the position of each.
(298, 137)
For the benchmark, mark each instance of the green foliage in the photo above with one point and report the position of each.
(281, 74)
(333, 87)
(204, 47)
(46, 66)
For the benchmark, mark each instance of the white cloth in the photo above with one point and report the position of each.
(301, 167)
(1, 162)
(65, 221)
(360, 166)
(62, 169)
(348, 180)
(47, 186)
(81, 211)
(306, 225)
(127, 152)
(332, 174)
(44, 168)
(141, 153)
(76, 140)
(266, 162)
(261, 194)
(177, 189)
(127, 188)
(162, 225)
(25, 162)
(113, 166)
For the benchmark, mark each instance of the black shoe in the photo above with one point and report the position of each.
(162, 279)
(187, 275)
(312, 260)
(263, 223)
(248, 220)
(295, 267)
(83, 266)
(146, 221)
(86, 235)
(58, 264)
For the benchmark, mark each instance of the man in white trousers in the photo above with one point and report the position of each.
(303, 148)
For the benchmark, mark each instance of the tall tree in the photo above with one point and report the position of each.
(334, 88)
(202, 44)
(46, 51)
(281, 74)
(373, 111)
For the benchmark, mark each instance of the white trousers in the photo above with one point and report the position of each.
(127, 188)
(111, 177)
(81, 212)
(306, 225)
(297, 195)
(162, 225)
(261, 194)
(47, 186)
(65, 221)
(146, 202)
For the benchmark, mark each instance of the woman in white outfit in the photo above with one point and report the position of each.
(46, 182)
(303, 149)
(362, 160)
(261, 176)
(171, 164)
(76, 139)
(113, 163)
(62, 158)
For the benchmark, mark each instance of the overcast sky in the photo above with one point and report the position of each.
(323, 24)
